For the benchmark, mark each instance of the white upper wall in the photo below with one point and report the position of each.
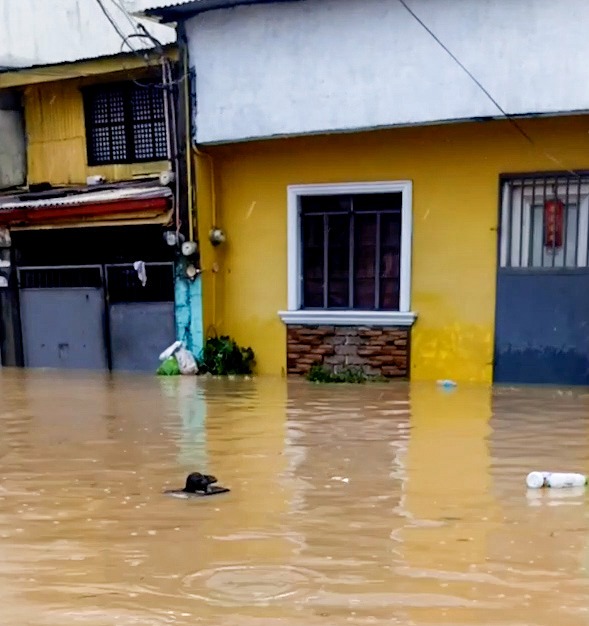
(337, 65)
(40, 32)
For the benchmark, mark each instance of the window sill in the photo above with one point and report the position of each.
(348, 318)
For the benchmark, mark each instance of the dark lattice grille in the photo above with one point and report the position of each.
(125, 123)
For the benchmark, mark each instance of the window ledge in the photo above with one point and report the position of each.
(348, 318)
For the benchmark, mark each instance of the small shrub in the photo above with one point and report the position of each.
(320, 374)
(221, 356)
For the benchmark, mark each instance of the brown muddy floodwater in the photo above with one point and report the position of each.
(376, 504)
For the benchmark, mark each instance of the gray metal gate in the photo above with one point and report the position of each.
(62, 317)
(96, 317)
(542, 320)
(141, 318)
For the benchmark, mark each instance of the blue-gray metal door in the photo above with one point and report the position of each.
(62, 317)
(542, 315)
(141, 316)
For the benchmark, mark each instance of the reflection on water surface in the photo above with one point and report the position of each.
(374, 504)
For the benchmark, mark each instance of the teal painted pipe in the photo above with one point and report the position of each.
(189, 321)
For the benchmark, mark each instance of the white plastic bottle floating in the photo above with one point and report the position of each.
(536, 480)
(555, 480)
(558, 480)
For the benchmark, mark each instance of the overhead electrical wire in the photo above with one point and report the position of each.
(140, 32)
(112, 21)
(167, 84)
(478, 83)
(126, 13)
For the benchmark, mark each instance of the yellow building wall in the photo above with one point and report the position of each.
(455, 172)
(56, 135)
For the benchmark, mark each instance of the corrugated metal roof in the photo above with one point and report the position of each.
(146, 5)
(43, 32)
(178, 9)
(78, 198)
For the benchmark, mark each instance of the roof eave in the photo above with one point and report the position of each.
(128, 61)
(182, 12)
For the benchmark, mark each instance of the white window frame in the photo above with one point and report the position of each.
(352, 317)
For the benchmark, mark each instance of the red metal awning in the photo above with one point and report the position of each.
(96, 205)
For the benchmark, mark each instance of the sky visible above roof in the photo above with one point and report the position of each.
(43, 32)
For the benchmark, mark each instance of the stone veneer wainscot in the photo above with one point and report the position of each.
(378, 350)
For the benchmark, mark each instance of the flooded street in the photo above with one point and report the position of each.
(373, 504)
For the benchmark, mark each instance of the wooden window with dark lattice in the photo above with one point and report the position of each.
(125, 123)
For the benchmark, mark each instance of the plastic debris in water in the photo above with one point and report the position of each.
(139, 267)
(447, 384)
(184, 359)
(340, 479)
(555, 480)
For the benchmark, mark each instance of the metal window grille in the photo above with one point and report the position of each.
(60, 277)
(532, 234)
(125, 286)
(125, 123)
(351, 251)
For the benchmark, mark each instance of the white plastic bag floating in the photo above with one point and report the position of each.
(186, 361)
(168, 352)
(185, 358)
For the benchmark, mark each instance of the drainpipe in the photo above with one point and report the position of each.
(192, 147)
(214, 269)
(173, 142)
(177, 114)
(186, 197)
(187, 109)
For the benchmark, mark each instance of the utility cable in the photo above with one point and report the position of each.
(112, 21)
(140, 32)
(507, 116)
(132, 21)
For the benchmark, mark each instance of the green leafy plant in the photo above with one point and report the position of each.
(320, 374)
(222, 356)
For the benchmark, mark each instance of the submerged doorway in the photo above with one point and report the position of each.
(542, 315)
(85, 306)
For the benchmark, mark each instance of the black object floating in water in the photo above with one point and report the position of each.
(197, 486)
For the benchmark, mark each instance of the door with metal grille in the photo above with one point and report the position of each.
(542, 315)
(62, 317)
(141, 317)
